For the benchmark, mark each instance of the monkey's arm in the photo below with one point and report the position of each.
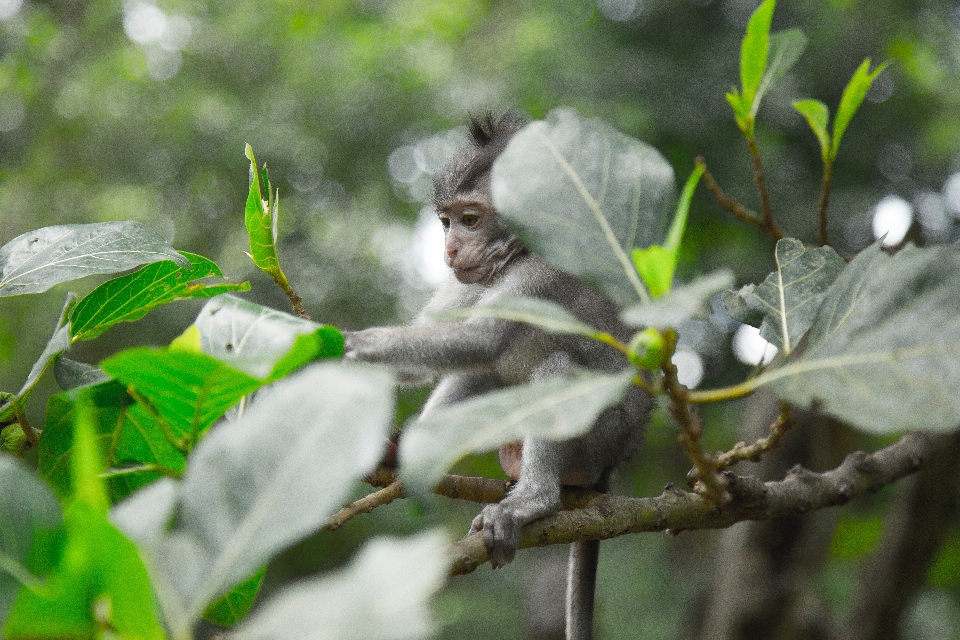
(468, 345)
(536, 494)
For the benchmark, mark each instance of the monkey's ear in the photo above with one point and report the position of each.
(482, 129)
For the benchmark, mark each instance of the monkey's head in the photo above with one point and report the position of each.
(478, 242)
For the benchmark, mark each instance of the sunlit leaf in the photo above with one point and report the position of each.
(655, 265)
(98, 565)
(257, 485)
(786, 47)
(260, 219)
(884, 350)
(754, 50)
(261, 341)
(853, 95)
(37, 260)
(188, 391)
(383, 594)
(582, 195)
(558, 408)
(817, 115)
(681, 304)
(791, 295)
(132, 296)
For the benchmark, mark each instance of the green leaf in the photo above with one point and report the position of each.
(669, 311)
(257, 485)
(853, 95)
(231, 608)
(786, 47)
(679, 224)
(754, 51)
(655, 265)
(384, 593)
(884, 350)
(558, 408)
(817, 115)
(37, 260)
(187, 391)
(791, 295)
(57, 344)
(582, 195)
(260, 220)
(260, 341)
(27, 508)
(547, 315)
(99, 579)
(126, 435)
(132, 296)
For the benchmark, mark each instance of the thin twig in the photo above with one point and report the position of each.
(741, 451)
(731, 204)
(759, 178)
(365, 505)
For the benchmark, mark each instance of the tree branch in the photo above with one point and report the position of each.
(602, 516)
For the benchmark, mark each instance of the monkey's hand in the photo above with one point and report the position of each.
(501, 523)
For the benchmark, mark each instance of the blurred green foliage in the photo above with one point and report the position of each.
(140, 110)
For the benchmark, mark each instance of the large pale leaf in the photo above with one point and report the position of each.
(583, 195)
(26, 507)
(261, 341)
(257, 485)
(680, 304)
(37, 260)
(790, 296)
(558, 408)
(884, 350)
(382, 595)
(545, 314)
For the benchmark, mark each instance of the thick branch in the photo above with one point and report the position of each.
(604, 516)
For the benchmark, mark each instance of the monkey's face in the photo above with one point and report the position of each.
(478, 243)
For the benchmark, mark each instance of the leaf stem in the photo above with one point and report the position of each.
(28, 431)
(759, 178)
(825, 185)
(705, 477)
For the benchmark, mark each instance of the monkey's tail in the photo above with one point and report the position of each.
(581, 583)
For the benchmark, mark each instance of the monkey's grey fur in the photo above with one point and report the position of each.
(479, 355)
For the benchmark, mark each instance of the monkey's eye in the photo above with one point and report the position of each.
(469, 219)
(445, 221)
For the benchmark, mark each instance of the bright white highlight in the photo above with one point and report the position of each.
(427, 248)
(892, 218)
(750, 348)
(9, 8)
(689, 367)
(144, 23)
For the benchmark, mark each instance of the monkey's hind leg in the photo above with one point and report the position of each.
(581, 584)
